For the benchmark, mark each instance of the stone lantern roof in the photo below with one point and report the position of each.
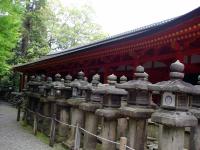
(80, 83)
(48, 83)
(123, 79)
(57, 83)
(110, 87)
(68, 79)
(140, 83)
(175, 84)
(35, 81)
(95, 83)
(43, 77)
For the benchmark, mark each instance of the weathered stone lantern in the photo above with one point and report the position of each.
(174, 114)
(110, 112)
(122, 122)
(57, 92)
(33, 95)
(138, 108)
(47, 105)
(195, 109)
(79, 87)
(42, 101)
(64, 110)
(89, 107)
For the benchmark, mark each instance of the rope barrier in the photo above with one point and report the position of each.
(65, 123)
(129, 147)
(99, 137)
(30, 110)
(44, 116)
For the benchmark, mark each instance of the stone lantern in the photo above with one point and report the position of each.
(122, 122)
(174, 114)
(47, 105)
(34, 95)
(79, 87)
(138, 108)
(110, 112)
(42, 100)
(64, 109)
(195, 109)
(57, 93)
(89, 107)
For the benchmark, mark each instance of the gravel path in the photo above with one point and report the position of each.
(13, 136)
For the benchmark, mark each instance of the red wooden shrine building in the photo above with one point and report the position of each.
(155, 47)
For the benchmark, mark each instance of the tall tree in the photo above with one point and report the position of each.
(10, 23)
(33, 43)
(72, 26)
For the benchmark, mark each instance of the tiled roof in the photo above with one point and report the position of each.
(136, 33)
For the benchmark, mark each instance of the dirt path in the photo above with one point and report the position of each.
(13, 136)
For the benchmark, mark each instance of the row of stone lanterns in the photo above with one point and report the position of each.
(91, 104)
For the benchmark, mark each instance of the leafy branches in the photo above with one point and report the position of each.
(10, 23)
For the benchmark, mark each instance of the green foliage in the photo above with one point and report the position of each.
(73, 26)
(29, 29)
(10, 22)
(33, 43)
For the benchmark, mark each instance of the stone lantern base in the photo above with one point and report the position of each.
(195, 131)
(53, 107)
(77, 117)
(174, 123)
(64, 116)
(109, 126)
(91, 124)
(46, 112)
(137, 125)
(33, 103)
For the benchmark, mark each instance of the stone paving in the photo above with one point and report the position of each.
(13, 136)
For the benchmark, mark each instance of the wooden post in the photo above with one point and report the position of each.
(123, 142)
(35, 123)
(52, 130)
(77, 138)
(25, 115)
(18, 113)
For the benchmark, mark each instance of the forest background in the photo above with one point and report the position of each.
(30, 29)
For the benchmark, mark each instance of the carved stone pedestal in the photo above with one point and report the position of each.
(173, 130)
(137, 124)
(195, 131)
(76, 117)
(64, 116)
(109, 126)
(91, 124)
